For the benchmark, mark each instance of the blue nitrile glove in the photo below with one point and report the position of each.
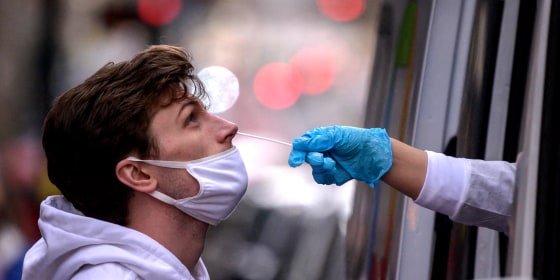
(338, 154)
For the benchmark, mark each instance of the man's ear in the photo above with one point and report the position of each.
(134, 175)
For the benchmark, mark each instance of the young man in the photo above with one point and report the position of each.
(473, 192)
(143, 169)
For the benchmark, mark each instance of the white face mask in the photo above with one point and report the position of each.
(223, 181)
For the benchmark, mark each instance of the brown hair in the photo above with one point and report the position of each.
(106, 118)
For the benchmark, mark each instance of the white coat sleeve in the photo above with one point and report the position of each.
(472, 192)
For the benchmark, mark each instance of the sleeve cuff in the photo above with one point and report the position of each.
(443, 193)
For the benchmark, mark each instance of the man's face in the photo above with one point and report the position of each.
(185, 131)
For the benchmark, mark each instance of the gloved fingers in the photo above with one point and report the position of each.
(341, 177)
(296, 158)
(330, 176)
(338, 154)
(325, 178)
(320, 162)
(329, 172)
(321, 143)
(319, 139)
(324, 168)
(315, 159)
(313, 143)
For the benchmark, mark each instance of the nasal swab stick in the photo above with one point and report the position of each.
(265, 139)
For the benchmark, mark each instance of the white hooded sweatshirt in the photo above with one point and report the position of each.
(74, 246)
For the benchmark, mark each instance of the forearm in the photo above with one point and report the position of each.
(408, 171)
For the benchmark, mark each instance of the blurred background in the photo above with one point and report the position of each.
(299, 63)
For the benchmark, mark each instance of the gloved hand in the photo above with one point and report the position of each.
(338, 154)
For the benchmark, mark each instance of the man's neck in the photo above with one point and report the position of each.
(181, 234)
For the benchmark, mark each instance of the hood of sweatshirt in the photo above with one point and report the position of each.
(71, 240)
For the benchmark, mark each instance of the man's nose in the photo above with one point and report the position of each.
(227, 129)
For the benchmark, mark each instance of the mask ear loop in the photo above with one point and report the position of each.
(168, 164)
(161, 163)
(163, 197)
(184, 164)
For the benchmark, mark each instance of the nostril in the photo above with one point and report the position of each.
(231, 132)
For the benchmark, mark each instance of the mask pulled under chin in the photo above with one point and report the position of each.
(223, 181)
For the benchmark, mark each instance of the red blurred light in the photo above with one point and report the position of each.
(342, 10)
(316, 67)
(277, 85)
(158, 12)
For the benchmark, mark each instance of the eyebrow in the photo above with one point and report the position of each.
(185, 105)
